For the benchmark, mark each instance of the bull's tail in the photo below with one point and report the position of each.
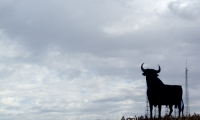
(182, 106)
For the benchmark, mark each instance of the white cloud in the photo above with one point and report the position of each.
(11, 101)
(81, 60)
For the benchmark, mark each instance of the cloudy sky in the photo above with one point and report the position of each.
(72, 59)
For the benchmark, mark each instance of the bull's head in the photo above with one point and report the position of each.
(150, 72)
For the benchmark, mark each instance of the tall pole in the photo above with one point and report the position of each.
(156, 111)
(166, 109)
(147, 109)
(187, 105)
(175, 111)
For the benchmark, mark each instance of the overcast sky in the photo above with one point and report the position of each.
(73, 59)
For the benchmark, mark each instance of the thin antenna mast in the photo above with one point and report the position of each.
(187, 106)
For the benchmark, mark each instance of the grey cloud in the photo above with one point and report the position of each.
(187, 10)
(81, 60)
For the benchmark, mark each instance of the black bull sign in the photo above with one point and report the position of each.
(159, 93)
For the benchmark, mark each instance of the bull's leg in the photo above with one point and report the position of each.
(179, 110)
(151, 109)
(159, 109)
(182, 109)
(171, 110)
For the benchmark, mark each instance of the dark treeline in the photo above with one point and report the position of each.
(190, 117)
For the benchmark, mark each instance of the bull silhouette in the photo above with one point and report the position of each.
(159, 93)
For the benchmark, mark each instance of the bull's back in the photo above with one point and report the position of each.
(174, 90)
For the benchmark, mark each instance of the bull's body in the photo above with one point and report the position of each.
(160, 94)
(166, 95)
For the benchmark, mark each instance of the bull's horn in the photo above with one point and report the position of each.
(142, 68)
(159, 69)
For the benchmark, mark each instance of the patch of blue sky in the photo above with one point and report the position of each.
(91, 72)
(27, 101)
(83, 92)
(129, 81)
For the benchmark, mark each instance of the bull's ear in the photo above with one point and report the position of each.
(144, 74)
